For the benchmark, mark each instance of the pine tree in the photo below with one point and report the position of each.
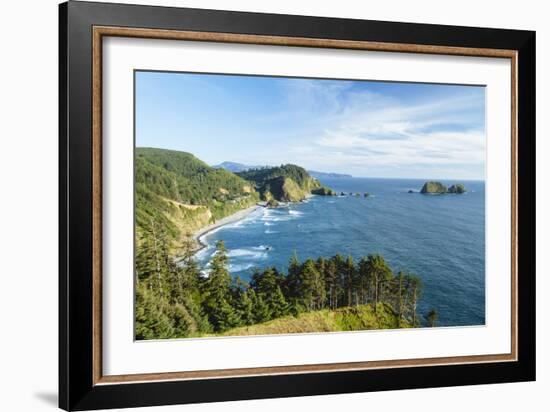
(151, 257)
(291, 285)
(152, 316)
(261, 310)
(310, 285)
(349, 274)
(414, 290)
(364, 281)
(278, 304)
(398, 295)
(340, 263)
(245, 306)
(431, 317)
(265, 282)
(379, 272)
(332, 284)
(220, 313)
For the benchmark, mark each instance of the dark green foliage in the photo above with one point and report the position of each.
(261, 176)
(379, 274)
(348, 279)
(174, 300)
(333, 287)
(431, 318)
(285, 183)
(433, 188)
(267, 288)
(261, 310)
(439, 188)
(312, 288)
(246, 306)
(217, 293)
(182, 177)
(272, 203)
(168, 302)
(413, 292)
(323, 191)
(152, 315)
(458, 189)
(163, 177)
(278, 304)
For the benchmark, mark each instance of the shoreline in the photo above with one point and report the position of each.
(235, 217)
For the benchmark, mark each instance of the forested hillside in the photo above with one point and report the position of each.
(286, 183)
(177, 300)
(176, 193)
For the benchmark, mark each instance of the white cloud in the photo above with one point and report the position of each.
(370, 133)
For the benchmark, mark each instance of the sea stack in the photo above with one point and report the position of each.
(433, 188)
(438, 188)
(458, 188)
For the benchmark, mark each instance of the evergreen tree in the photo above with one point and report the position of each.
(152, 316)
(431, 317)
(151, 256)
(311, 286)
(340, 263)
(398, 294)
(332, 283)
(245, 306)
(349, 276)
(414, 289)
(221, 314)
(364, 280)
(379, 272)
(175, 300)
(261, 310)
(291, 285)
(278, 304)
(265, 282)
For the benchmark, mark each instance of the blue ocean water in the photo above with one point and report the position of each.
(440, 238)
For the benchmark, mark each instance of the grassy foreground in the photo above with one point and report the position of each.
(339, 320)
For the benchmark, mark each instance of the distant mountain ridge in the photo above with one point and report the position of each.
(240, 167)
(236, 167)
(321, 175)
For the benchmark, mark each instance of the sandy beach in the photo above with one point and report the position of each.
(235, 217)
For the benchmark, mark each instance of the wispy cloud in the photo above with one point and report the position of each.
(369, 132)
(358, 127)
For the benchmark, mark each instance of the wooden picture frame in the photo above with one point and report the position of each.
(83, 26)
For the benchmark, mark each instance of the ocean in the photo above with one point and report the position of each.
(440, 238)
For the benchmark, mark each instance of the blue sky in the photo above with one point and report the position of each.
(363, 128)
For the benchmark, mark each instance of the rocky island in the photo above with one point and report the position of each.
(458, 189)
(438, 188)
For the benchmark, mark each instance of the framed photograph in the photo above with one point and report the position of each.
(257, 205)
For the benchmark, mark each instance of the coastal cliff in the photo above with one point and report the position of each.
(286, 183)
(178, 194)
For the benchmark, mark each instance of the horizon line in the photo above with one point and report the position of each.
(319, 171)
